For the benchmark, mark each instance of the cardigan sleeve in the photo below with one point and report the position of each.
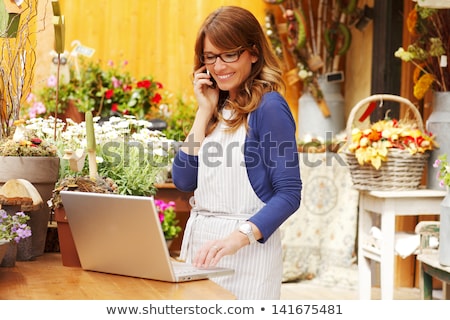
(273, 164)
(184, 171)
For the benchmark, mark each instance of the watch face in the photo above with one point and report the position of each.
(246, 228)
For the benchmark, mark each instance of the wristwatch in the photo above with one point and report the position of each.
(246, 229)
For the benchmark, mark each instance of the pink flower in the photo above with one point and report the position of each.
(51, 81)
(116, 82)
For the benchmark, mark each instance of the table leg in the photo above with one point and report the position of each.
(364, 267)
(387, 251)
(365, 281)
(426, 284)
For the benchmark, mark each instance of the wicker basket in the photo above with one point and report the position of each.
(401, 171)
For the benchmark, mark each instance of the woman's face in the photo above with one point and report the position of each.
(229, 76)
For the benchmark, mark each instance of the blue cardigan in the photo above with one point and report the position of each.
(272, 163)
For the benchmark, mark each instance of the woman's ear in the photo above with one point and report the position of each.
(255, 54)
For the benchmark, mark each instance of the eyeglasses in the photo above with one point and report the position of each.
(227, 57)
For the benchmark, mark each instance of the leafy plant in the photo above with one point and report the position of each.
(127, 150)
(134, 169)
(179, 115)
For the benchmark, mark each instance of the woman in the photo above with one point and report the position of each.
(240, 157)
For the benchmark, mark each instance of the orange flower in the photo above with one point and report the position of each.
(423, 85)
(411, 22)
(374, 135)
(418, 71)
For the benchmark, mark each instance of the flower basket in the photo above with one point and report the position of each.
(402, 170)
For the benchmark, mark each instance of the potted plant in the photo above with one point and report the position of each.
(27, 156)
(105, 90)
(22, 155)
(129, 157)
(13, 228)
(169, 223)
(427, 52)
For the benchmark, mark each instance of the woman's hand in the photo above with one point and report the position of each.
(207, 96)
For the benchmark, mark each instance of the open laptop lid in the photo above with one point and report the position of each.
(118, 234)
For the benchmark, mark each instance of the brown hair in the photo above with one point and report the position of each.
(228, 28)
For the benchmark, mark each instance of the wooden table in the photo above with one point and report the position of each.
(385, 206)
(431, 268)
(47, 279)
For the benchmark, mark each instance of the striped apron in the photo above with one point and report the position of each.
(223, 199)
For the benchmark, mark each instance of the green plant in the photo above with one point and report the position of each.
(444, 170)
(127, 150)
(179, 114)
(134, 169)
(14, 227)
(167, 217)
(430, 31)
(106, 91)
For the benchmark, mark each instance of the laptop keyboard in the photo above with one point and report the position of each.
(185, 268)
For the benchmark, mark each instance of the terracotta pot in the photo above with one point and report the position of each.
(71, 112)
(69, 254)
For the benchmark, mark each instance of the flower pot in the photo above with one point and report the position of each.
(3, 248)
(69, 254)
(71, 112)
(43, 173)
(311, 121)
(438, 123)
(25, 249)
(444, 232)
(10, 254)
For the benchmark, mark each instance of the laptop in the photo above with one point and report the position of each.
(122, 234)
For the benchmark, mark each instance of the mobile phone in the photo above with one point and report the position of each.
(212, 79)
